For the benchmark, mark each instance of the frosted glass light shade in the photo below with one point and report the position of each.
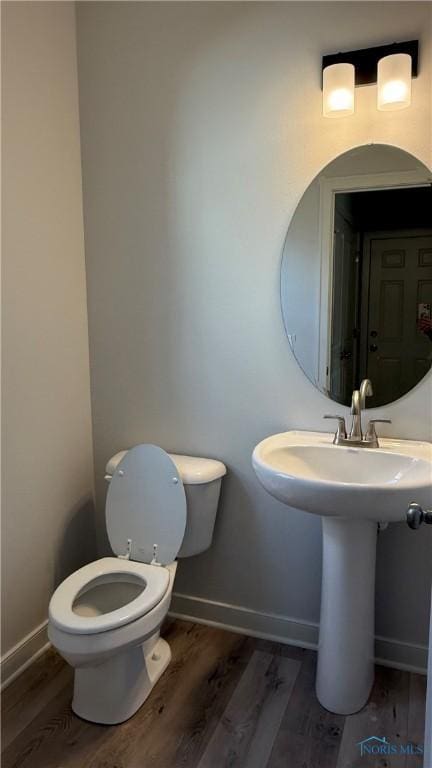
(338, 90)
(394, 81)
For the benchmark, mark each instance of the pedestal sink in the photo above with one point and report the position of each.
(352, 489)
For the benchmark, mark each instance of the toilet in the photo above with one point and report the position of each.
(105, 618)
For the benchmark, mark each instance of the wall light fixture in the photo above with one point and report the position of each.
(338, 90)
(394, 81)
(391, 66)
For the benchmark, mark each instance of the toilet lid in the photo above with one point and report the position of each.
(146, 503)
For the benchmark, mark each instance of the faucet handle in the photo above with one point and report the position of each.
(370, 432)
(341, 428)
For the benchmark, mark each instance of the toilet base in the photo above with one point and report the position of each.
(113, 691)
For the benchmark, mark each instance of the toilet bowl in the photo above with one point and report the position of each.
(104, 619)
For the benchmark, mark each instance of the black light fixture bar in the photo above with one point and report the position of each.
(366, 60)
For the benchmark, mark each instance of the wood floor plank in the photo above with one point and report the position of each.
(416, 717)
(18, 718)
(280, 649)
(40, 734)
(309, 735)
(282, 675)
(245, 735)
(32, 681)
(210, 701)
(385, 715)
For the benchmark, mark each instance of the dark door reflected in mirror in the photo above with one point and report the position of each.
(356, 277)
(381, 324)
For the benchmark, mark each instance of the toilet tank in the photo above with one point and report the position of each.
(201, 479)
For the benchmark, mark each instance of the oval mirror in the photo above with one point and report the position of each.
(356, 276)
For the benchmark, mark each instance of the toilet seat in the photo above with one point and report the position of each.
(154, 580)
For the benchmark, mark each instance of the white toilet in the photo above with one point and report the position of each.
(104, 619)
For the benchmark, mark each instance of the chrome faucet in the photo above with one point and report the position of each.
(356, 436)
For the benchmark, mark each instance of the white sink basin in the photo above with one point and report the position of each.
(305, 470)
(352, 489)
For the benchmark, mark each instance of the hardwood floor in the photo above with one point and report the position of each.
(225, 700)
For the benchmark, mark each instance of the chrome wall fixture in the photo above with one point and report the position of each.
(391, 67)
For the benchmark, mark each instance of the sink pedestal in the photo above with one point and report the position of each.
(347, 627)
(352, 489)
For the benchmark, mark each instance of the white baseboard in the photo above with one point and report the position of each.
(24, 653)
(400, 655)
(284, 629)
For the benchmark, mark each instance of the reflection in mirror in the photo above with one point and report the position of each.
(356, 278)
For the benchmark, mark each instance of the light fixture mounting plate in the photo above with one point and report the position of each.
(366, 60)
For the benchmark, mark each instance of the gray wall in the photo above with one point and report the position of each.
(47, 483)
(201, 128)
